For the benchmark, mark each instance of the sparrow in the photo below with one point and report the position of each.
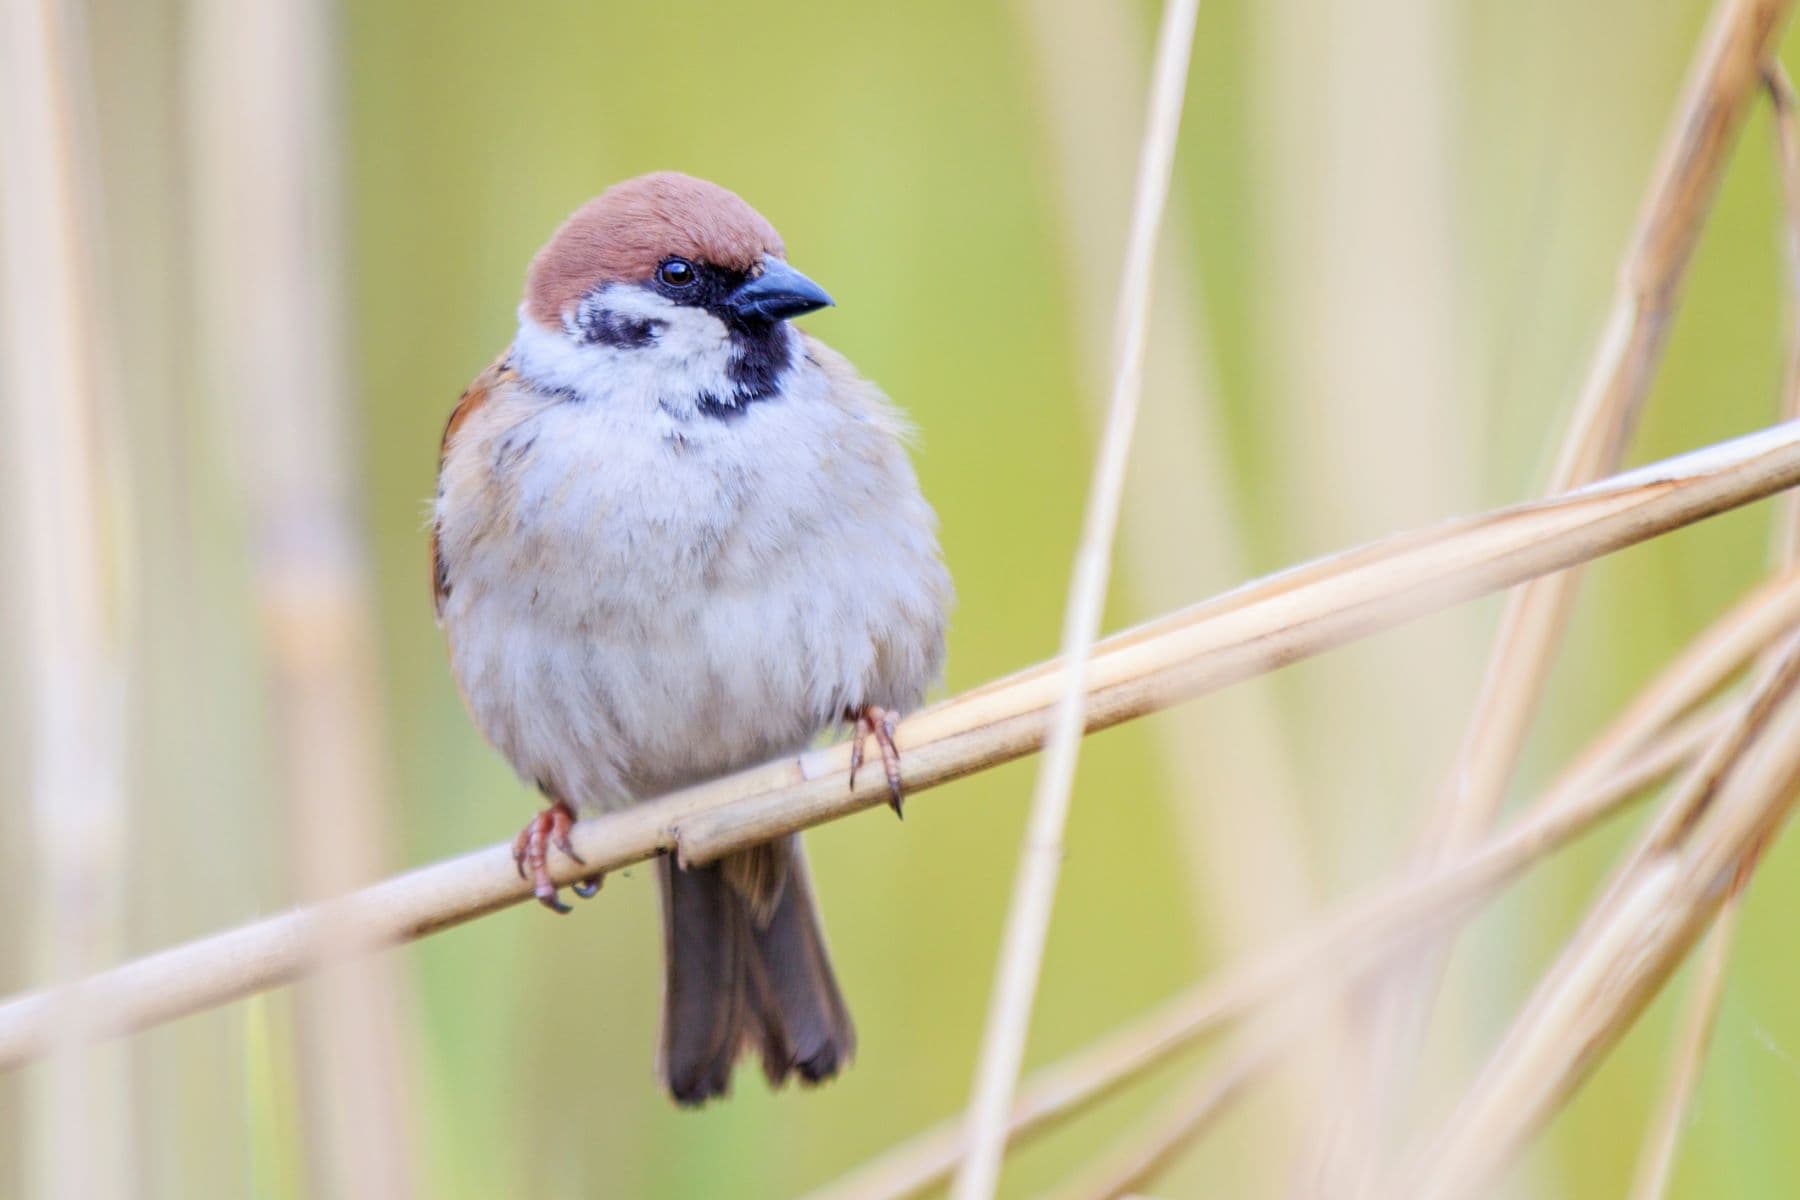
(675, 536)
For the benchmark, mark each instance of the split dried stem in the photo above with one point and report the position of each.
(1723, 82)
(1253, 630)
(1040, 857)
(1649, 739)
(1656, 1163)
(1333, 951)
(1730, 804)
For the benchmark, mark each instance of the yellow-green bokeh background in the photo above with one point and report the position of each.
(905, 151)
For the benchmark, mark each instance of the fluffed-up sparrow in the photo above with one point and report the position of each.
(675, 536)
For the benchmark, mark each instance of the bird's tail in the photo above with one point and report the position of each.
(745, 964)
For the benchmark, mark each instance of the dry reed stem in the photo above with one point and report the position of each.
(1730, 804)
(1724, 81)
(1244, 868)
(1701, 668)
(267, 142)
(1715, 101)
(1041, 854)
(1787, 147)
(1145, 1154)
(1274, 621)
(56, 416)
(1656, 1161)
(1255, 629)
(1333, 950)
(1641, 745)
(1147, 1151)
(1245, 872)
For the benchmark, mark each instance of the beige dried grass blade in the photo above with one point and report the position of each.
(1787, 148)
(1254, 629)
(1647, 740)
(1733, 801)
(1144, 1153)
(1656, 1161)
(1721, 85)
(1334, 950)
(1656, 1164)
(1246, 875)
(1041, 854)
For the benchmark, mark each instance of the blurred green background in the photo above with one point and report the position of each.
(1392, 239)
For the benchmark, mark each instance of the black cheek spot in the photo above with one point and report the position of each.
(604, 327)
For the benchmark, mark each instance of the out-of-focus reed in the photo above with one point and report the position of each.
(59, 394)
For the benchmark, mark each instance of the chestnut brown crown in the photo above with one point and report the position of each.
(625, 232)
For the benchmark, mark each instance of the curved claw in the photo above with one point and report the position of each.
(548, 897)
(588, 888)
(871, 720)
(531, 853)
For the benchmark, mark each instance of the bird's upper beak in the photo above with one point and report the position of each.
(778, 293)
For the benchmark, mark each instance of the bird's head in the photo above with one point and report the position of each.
(666, 288)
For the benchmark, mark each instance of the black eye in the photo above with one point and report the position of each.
(675, 272)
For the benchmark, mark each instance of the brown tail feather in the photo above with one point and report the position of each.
(739, 973)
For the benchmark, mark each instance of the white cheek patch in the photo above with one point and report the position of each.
(685, 352)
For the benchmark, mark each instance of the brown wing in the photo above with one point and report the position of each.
(498, 373)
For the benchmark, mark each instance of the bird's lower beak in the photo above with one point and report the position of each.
(778, 293)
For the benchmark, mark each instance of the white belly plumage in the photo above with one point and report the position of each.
(636, 606)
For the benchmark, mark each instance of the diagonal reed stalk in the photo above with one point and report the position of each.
(1656, 1160)
(1732, 802)
(1149, 1150)
(1722, 83)
(1243, 633)
(1719, 738)
(1041, 853)
(1600, 771)
(1648, 740)
(1244, 868)
(1335, 950)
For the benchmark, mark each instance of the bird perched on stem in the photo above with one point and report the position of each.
(674, 536)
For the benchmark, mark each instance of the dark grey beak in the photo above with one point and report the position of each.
(778, 293)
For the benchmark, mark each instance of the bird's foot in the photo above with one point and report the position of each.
(531, 853)
(872, 721)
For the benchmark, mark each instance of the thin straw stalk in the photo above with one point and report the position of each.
(1335, 950)
(1656, 1161)
(1256, 629)
(1725, 79)
(1722, 83)
(1146, 1152)
(1732, 802)
(1041, 854)
(1647, 740)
